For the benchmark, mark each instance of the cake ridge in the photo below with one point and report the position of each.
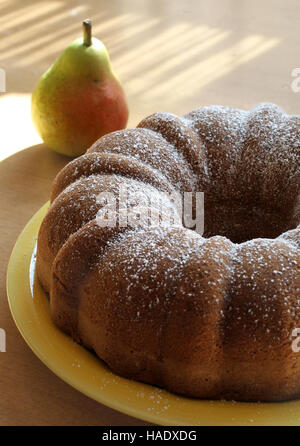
(133, 168)
(136, 143)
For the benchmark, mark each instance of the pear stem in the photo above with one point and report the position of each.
(87, 32)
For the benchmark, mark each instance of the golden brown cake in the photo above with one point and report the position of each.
(208, 316)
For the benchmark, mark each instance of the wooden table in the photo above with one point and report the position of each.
(171, 56)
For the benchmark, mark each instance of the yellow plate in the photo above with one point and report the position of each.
(82, 370)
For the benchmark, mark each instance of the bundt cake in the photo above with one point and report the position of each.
(208, 315)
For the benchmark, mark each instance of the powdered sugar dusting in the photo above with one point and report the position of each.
(231, 303)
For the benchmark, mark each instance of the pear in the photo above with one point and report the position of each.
(79, 99)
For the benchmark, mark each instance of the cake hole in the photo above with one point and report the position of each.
(240, 223)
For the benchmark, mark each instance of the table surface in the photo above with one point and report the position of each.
(170, 56)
